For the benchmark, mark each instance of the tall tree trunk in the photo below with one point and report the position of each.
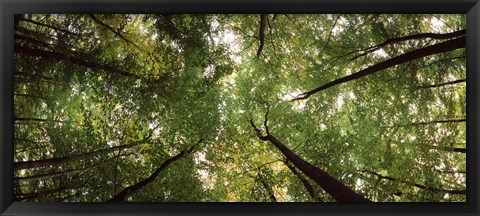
(332, 186)
(409, 37)
(443, 84)
(29, 196)
(305, 182)
(261, 34)
(71, 59)
(409, 56)
(128, 191)
(30, 141)
(49, 26)
(435, 122)
(28, 95)
(35, 119)
(62, 160)
(441, 190)
(66, 172)
(450, 149)
(48, 175)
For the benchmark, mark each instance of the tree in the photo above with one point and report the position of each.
(107, 107)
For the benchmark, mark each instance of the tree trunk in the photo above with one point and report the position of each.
(443, 84)
(35, 119)
(261, 34)
(441, 190)
(437, 122)
(332, 186)
(127, 192)
(409, 56)
(450, 149)
(29, 196)
(335, 188)
(62, 160)
(49, 26)
(305, 182)
(48, 175)
(71, 59)
(409, 37)
(32, 96)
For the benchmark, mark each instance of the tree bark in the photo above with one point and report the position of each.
(62, 160)
(16, 20)
(27, 196)
(305, 182)
(450, 149)
(409, 56)
(332, 186)
(112, 30)
(128, 191)
(71, 59)
(32, 96)
(443, 84)
(441, 190)
(48, 175)
(35, 119)
(261, 34)
(49, 26)
(436, 122)
(409, 37)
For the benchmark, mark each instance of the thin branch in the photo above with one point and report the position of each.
(265, 122)
(112, 30)
(331, 31)
(49, 26)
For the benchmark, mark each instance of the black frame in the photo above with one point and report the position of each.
(10, 7)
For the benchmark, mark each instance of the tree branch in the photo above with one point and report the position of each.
(261, 34)
(128, 191)
(409, 56)
(440, 190)
(443, 84)
(405, 38)
(112, 30)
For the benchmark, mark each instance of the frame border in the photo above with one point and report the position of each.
(10, 7)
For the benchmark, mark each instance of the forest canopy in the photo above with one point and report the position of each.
(240, 108)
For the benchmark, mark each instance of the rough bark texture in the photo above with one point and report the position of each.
(409, 56)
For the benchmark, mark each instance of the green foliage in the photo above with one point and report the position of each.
(167, 81)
